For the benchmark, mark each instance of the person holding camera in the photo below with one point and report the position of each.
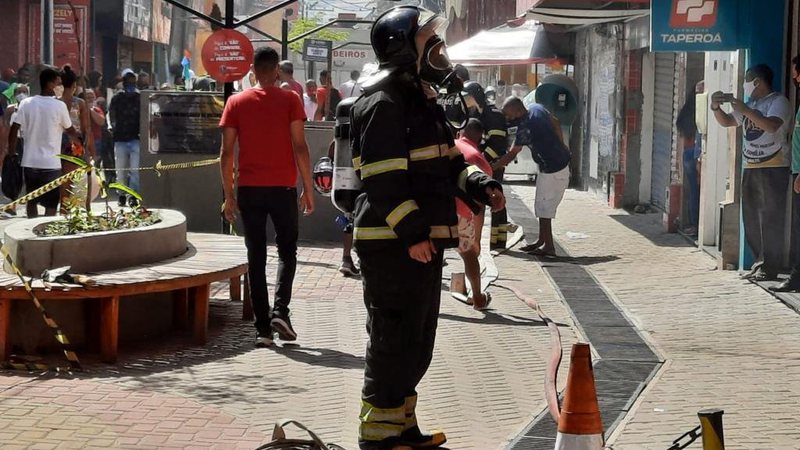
(765, 120)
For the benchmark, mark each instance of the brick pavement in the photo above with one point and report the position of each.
(484, 386)
(726, 342)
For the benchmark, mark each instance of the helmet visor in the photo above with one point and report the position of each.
(437, 55)
(428, 20)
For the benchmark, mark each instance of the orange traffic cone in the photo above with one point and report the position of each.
(579, 425)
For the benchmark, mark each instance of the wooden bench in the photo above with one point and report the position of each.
(210, 258)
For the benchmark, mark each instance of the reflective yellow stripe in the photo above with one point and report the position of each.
(453, 152)
(399, 213)
(496, 133)
(503, 227)
(357, 163)
(387, 165)
(444, 232)
(491, 152)
(378, 431)
(383, 233)
(462, 177)
(373, 233)
(425, 153)
(371, 413)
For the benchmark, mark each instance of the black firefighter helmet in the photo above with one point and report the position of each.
(475, 90)
(393, 35)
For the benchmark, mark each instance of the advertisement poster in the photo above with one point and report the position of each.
(185, 122)
(162, 21)
(136, 19)
(70, 36)
(227, 55)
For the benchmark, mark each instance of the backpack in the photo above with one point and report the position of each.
(334, 97)
(280, 442)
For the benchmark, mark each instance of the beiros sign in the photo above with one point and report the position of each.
(693, 25)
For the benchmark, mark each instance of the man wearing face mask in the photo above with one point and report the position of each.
(41, 120)
(765, 119)
(793, 283)
(495, 149)
(406, 217)
(123, 113)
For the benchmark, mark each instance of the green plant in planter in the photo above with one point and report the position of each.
(78, 217)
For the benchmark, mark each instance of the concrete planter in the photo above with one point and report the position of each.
(95, 252)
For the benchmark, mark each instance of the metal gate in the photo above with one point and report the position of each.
(663, 124)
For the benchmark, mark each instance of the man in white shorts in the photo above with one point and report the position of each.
(552, 156)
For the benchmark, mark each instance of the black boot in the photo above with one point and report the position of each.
(415, 438)
(790, 285)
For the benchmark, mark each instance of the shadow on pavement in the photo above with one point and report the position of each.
(324, 357)
(492, 318)
(577, 260)
(650, 227)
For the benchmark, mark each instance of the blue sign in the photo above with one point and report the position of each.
(694, 25)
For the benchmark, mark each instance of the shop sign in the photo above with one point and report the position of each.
(185, 122)
(136, 17)
(693, 25)
(317, 50)
(227, 55)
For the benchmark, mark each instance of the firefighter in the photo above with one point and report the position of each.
(405, 218)
(495, 149)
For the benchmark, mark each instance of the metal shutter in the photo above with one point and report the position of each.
(663, 121)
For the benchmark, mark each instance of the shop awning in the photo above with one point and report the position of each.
(562, 16)
(525, 44)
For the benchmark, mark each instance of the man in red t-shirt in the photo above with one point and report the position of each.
(268, 123)
(286, 75)
(470, 224)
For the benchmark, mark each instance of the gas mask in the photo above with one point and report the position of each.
(436, 67)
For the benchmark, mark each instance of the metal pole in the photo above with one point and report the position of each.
(47, 31)
(711, 424)
(228, 88)
(284, 38)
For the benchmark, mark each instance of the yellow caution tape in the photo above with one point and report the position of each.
(72, 358)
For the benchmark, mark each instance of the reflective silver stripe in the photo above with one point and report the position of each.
(462, 177)
(453, 152)
(387, 165)
(378, 431)
(444, 232)
(384, 233)
(496, 133)
(370, 413)
(425, 153)
(491, 152)
(399, 213)
(373, 233)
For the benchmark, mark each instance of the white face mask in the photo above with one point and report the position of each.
(21, 97)
(749, 87)
(59, 91)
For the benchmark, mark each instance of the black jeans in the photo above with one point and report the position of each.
(256, 204)
(402, 297)
(764, 214)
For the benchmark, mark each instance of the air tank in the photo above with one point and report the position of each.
(346, 183)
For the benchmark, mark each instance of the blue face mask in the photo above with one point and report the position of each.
(129, 87)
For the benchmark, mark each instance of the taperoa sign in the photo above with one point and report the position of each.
(227, 55)
(693, 25)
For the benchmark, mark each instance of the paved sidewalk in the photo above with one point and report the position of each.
(484, 386)
(726, 342)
